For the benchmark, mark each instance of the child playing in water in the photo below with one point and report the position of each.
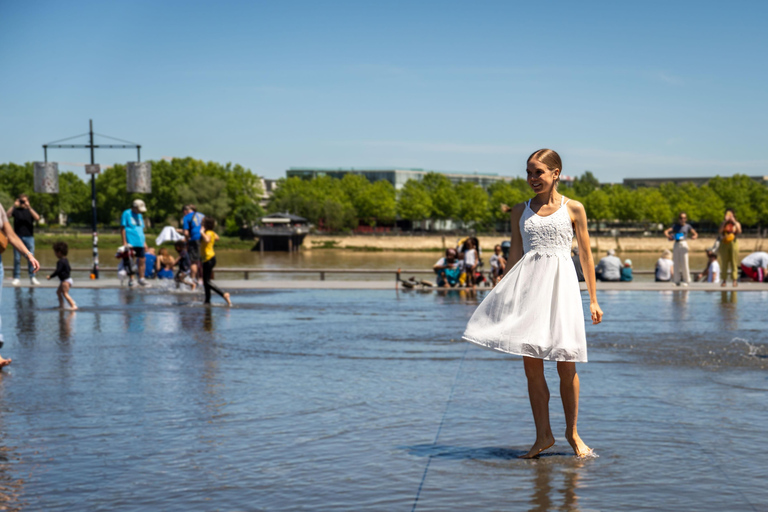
(185, 266)
(207, 238)
(497, 265)
(711, 274)
(165, 263)
(63, 272)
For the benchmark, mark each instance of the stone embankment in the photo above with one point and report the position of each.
(438, 243)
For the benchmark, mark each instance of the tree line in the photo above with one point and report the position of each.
(229, 193)
(339, 204)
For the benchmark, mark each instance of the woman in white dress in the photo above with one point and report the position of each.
(536, 310)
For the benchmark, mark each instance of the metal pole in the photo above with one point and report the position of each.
(95, 271)
(45, 153)
(138, 152)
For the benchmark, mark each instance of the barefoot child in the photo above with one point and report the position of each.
(185, 266)
(535, 311)
(208, 257)
(63, 272)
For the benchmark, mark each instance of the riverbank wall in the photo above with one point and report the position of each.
(439, 243)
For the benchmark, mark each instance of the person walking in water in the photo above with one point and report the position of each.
(536, 310)
(7, 235)
(207, 238)
(132, 231)
(24, 218)
(192, 223)
(679, 232)
(64, 273)
(728, 251)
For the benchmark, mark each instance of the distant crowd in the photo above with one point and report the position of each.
(464, 266)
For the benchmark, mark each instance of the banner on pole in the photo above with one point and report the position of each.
(139, 175)
(47, 177)
(92, 168)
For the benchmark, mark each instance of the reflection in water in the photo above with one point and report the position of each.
(135, 318)
(207, 320)
(729, 310)
(11, 488)
(65, 325)
(542, 499)
(26, 311)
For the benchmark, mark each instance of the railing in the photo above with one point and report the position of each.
(247, 271)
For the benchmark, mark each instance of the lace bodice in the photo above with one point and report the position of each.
(551, 235)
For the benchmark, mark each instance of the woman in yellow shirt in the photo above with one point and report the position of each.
(207, 239)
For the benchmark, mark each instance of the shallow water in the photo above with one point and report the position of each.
(366, 400)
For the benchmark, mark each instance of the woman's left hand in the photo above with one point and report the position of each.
(597, 313)
(35, 263)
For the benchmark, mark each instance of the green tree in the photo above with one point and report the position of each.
(598, 206)
(443, 195)
(586, 184)
(5, 200)
(505, 192)
(737, 192)
(377, 203)
(414, 202)
(622, 203)
(74, 198)
(473, 204)
(652, 206)
(208, 194)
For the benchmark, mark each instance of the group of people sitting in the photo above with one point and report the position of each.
(462, 266)
(611, 268)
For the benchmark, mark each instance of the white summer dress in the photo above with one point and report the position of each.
(536, 309)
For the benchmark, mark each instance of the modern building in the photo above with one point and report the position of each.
(656, 182)
(268, 187)
(395, 175)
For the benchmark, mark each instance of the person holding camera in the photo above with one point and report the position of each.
(24, 218)
(729, 232)
(679, 232)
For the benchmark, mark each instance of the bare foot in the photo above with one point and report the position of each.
(4, 362)
(735, 284)
(538, 447)
(723, 284)
(579, 447)
(226, 298)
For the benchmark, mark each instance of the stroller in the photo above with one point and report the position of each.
(127, 267)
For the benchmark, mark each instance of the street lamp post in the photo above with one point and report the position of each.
(93, 170)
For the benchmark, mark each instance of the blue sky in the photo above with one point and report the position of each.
(625, 89)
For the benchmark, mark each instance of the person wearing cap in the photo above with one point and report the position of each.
(609, 267)
(132, 230)
(626, 270)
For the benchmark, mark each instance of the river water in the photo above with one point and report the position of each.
(329, 259)
(367, 400)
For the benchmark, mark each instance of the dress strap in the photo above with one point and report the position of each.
(563, 202)
(529, 203)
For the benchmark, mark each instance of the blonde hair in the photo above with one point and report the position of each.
(548, 157)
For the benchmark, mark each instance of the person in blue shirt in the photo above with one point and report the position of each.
(132, 230)
(151, 263)
(191, 223)
(626, 270)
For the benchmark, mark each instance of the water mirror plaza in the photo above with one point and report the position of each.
(368, 400)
